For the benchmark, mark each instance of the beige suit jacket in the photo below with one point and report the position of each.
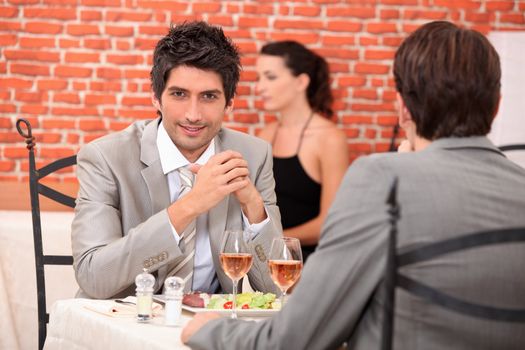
(121, 223)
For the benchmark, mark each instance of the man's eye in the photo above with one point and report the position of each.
(178, 93)
(210, 96)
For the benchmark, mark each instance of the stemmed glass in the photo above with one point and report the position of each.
(285, 263)
(236, 260)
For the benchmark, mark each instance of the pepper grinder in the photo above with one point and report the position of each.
(173, 290)
(144, 283)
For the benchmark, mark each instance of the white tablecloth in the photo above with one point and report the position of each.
(18, 305)
(72, 326)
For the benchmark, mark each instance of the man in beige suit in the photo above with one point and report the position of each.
(130, 211)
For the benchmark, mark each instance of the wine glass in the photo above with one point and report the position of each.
(285, 263)
(236, 260)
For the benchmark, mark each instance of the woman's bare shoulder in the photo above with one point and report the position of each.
(268, 131)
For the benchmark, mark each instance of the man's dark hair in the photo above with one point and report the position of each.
(199, 45)
(449, 79)
(299, 59)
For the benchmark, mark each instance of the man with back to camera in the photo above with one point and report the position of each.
(454, 182)
(130, 213)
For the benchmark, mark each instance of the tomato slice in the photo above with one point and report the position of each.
(246, 306)
(228, 305)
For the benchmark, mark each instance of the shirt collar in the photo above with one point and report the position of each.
(170, 156)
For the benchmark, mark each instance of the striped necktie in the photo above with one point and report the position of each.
(184, 267)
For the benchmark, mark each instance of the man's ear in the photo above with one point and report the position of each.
(155, 101)
(229, 107)
(404, 115)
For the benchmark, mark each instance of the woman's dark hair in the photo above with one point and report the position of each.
(301, 60)
(200, 45)
(449, 79)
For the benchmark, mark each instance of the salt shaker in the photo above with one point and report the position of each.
(144, 283)
(173, 289)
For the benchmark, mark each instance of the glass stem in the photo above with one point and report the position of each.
(282, 298)
(234, 301)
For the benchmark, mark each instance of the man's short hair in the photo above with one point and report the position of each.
(199, 45)
(449, 79)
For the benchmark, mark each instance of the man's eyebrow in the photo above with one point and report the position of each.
(176, 88)
(212, 91)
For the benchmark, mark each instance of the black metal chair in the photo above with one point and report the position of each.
(36, 188)
(515, 147)
(394, 279)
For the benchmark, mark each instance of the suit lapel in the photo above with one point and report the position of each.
(152, 174)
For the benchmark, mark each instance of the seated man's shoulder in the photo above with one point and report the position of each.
(235, 139)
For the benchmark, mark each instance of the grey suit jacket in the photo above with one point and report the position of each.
(455, 186)
(121, 223)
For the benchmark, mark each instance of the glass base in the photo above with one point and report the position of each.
(143, 318)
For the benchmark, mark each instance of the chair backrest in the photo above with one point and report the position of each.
(394, 278)
(36, 188)
(515, 152)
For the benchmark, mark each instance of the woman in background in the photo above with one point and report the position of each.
(310, 155)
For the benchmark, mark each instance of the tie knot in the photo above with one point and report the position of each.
(186, 177)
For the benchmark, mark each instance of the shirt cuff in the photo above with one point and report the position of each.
(175, 233)
(252, 230)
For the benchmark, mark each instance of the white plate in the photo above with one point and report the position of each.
(225, 312)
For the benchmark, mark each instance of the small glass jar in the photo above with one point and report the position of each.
(144, 283)
(173, 290)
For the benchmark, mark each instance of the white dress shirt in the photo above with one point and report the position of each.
(204, 278)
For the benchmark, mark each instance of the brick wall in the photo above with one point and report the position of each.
(79, 69)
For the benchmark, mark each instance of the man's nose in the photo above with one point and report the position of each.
(193, 111)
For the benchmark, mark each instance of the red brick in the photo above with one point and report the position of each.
(351, 81)
(499, 5)
(37, 42)
(51, 84)
(344, 26)
(387, 120)
(221, 20)
(8, 39)
(29, 55)
(174, 6)
(379, 28)
(69, 43)
(10, 26)
(29, 69)
(135, 113)
(119, 31)
(253, 22)
(61, 2)
(125, 59)
(389, 14)
(71, 71)
(31, 96)
(81, 57)
(418, 14)
(15, 83)
(7, 108)
(5, 123)
(116, 16)
(258, 9)
(373, 107)
(305, 38)
(86, 16)
(56, 152)
(82, 29)
(308, 11)
(351, 133)
(8, 12)
(176, 18)
(72, 139)
(356, 119)
(369, 94)
(153, 30)
(206, 7)
(67, 98)
(51, 13)
(297, 24)
(100, 99)
(392, 41)
(136, 74)
(359, 12)
(109, 73)
(379, 54)
(105, 86)
(34, 109)
(339, 40)
(93, 136)
(368, 41)
(479, 17)
(74, 111)
(91, 125)
(97, 44)
(458, 4)
(516, 18)
(101, 3)
(145, 44)
(360, 147)
(43, 28)
(15, 152)
(249, 118)
(7, 165)
(5, 95)
(58, 124)
(233, 8)
(48, 137)
(123, 45)
(136, 101)
(339, 53)
(117, 126)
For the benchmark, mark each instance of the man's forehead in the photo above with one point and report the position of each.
(194, 80)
